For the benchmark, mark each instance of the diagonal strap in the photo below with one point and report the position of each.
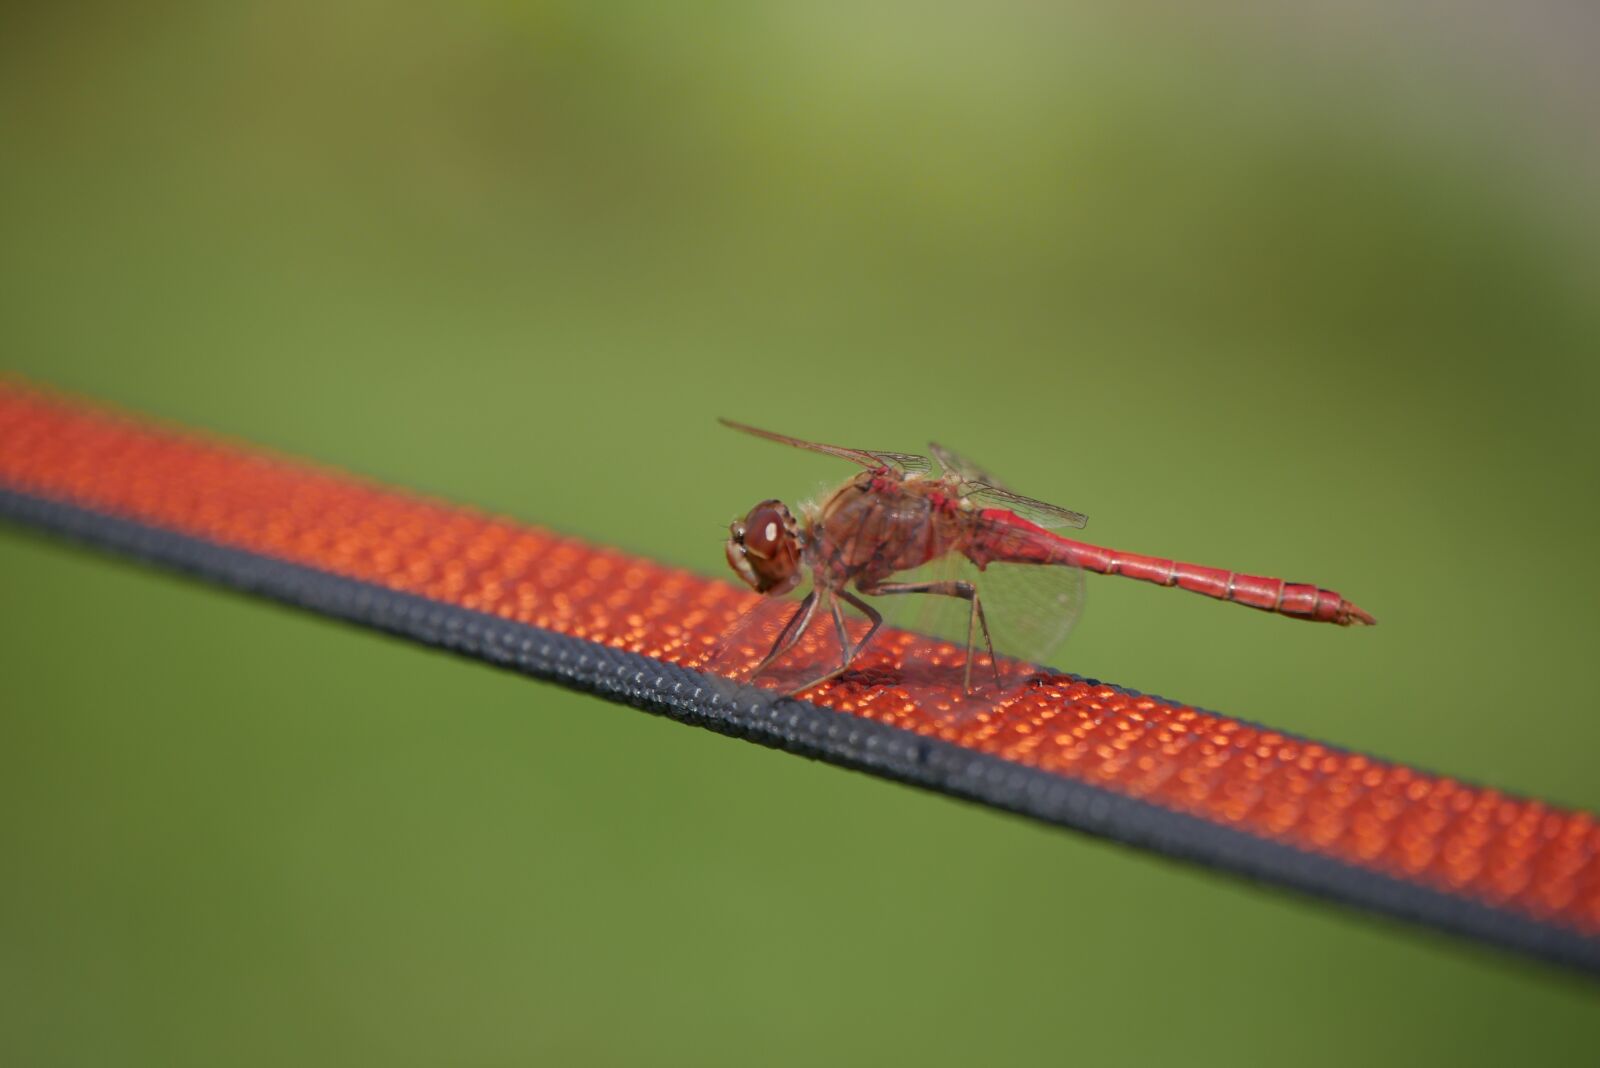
(1149, 772)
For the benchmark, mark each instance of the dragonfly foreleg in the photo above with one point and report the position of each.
(975, 618)
(798, 622)
(847, 652)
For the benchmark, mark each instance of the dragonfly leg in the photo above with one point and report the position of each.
(975, 618)
(867, 610)
(848, 652)
(798, 622)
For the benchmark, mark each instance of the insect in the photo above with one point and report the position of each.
(905, 511)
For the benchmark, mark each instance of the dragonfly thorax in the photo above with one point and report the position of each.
(764, 548)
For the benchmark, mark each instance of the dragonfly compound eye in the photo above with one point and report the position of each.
(764, 550)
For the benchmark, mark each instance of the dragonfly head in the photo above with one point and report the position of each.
(764, 549)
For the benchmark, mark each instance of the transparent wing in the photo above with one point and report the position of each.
(1035, 608)
(983, 489)
(1039, 513)
(964, 469)
(1031, 611)
(909, 463)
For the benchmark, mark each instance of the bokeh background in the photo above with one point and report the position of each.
(1309, 293)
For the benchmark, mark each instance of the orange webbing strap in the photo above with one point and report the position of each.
(1150, 772)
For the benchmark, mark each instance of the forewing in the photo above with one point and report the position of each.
(909, 463)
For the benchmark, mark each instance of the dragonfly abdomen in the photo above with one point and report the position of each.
(1297, 600)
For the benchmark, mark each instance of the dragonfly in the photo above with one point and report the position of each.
(903, 512)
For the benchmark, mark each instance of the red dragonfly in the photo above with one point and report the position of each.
(902, 513)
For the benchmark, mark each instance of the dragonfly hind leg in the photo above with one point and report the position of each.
(975, 618)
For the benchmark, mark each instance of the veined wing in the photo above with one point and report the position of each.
(908, 463)
(1038, 513)
(984, 490)
(961, 467)
(1030, 613)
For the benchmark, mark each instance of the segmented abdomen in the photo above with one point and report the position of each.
(1001, 536)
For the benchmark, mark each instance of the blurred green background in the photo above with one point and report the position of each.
(1309, 294)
